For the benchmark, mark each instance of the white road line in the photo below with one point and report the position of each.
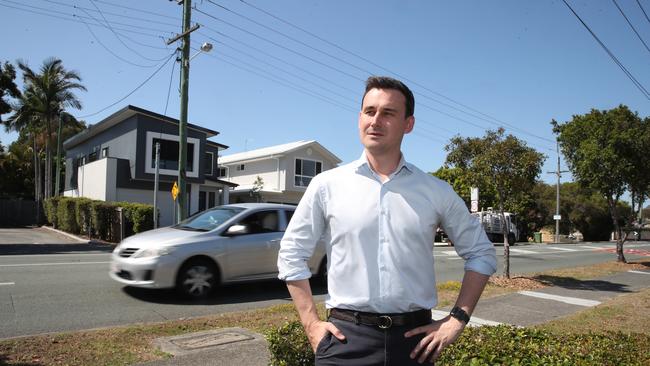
(523, 251)
(7, 283)
(51, 255)
(564, 299)
(473, 322)
(591, 247)
(563, 249)
(49, 264)
(641, 272)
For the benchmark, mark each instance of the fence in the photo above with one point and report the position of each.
(19, 213)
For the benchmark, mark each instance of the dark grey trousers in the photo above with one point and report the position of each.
(367, 345)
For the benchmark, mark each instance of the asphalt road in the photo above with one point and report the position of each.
(49, 283)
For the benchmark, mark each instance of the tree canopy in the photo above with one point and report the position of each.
(7, 87)
(606, 151)
(498, 163)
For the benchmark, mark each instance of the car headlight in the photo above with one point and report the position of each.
(154, 252)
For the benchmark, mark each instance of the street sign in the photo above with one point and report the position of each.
(474, 193)
(175, 191)
(474, 207)
(557, 217)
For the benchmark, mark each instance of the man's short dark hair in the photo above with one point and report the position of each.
(385, 82)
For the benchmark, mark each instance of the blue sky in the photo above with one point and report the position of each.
(473, 65)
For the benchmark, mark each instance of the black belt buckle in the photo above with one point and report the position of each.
(384, 321)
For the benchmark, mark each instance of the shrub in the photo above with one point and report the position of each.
(103, 217)
(500, 345)
(50, 206)
(66, 215)
(138, 217)
(83, 209)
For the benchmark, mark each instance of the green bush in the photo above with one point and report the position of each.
(83, 208)
(500, 345)
(66, 215)
(138, 217)
(50, 206)
(103, 217)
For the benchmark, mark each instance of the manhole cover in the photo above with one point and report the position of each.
(210, 340)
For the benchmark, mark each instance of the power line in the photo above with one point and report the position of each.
(111, 52)
(169, 89)
(631, 26)
(132, 91)
(643, 10)
(108, 24)
(611, 55)
(491, 119)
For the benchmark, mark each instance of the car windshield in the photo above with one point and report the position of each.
(209, 219)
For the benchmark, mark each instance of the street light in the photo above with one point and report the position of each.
(205, 47)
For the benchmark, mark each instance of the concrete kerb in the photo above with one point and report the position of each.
(71, 236)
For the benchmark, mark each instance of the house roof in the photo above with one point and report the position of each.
(277, 150)
(216, 144)
(122, 115)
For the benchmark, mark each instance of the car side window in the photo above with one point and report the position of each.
(261, 222)
(289, 214)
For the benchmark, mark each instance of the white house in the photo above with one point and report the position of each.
(285, 171)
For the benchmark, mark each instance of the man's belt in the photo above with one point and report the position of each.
(384, 321)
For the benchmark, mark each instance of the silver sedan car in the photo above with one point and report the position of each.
(225, 244)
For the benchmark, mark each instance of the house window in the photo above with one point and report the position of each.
(92, 156)
(223, 172)
(208, 160)
(306, 170)
(105, 152)
(240, 167)
(169, 155)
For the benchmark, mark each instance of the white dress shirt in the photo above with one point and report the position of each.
(379, 236)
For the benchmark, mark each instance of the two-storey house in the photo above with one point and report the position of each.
(282, 172)
(114, 160)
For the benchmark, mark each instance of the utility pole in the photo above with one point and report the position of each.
(182, 122)
(155, 187)
(558, 172)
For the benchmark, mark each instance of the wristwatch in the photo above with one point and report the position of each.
(459, 314)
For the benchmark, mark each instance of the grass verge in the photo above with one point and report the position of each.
(132, 344)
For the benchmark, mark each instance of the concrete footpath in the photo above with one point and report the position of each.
(236, 346)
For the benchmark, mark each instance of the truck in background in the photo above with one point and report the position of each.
(493, 224)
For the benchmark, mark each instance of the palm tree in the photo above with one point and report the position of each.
(50, 92)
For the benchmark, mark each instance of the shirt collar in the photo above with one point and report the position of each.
(363, 162)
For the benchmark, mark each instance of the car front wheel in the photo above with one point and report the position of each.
(196, 279)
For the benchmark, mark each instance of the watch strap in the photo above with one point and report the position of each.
(460, 314)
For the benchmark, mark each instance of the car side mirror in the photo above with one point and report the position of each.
(237, 230)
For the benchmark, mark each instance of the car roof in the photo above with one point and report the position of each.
(252, 205)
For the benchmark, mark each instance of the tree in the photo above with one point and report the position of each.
(460, 181)
(48, 94)
(7, 87)
(258, 185)
(498, 163)
(607, 151)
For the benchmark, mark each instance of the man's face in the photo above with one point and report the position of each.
(382, 123)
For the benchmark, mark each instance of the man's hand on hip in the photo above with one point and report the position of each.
(317, 330)
(438, 335)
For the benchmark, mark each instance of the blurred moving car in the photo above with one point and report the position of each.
(225, 244)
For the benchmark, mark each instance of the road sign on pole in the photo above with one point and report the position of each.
(175, 191)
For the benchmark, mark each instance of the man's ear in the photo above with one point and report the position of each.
(410, 123)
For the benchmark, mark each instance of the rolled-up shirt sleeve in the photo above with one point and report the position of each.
(302, 235)
(469, 238)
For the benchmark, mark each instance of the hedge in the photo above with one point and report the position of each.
(100, 219)
(496, 345)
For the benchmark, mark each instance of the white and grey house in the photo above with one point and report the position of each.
(114, 160)
(285, 171)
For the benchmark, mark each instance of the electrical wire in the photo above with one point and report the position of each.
(631, 26)
(169, 89)
(643, 10)
(132, 91)
(111, 52)
(611, 55)
(493, 119)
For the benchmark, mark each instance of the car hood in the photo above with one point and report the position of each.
(166, 236)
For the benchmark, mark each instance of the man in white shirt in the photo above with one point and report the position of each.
(378, 217)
